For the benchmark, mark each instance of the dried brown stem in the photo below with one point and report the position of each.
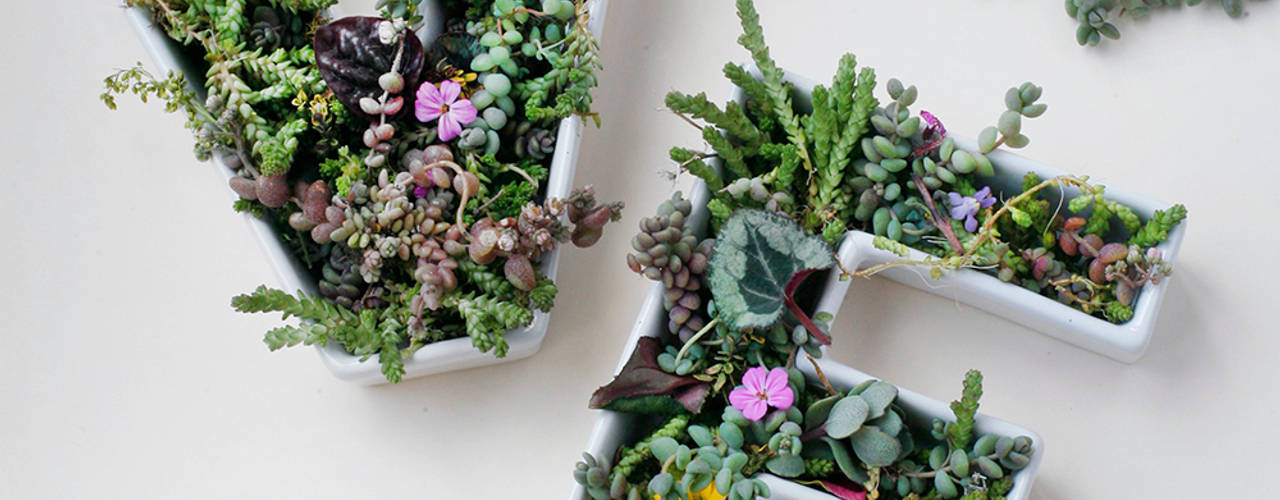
(830, 390)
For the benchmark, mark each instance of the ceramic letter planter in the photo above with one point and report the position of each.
(613, 429)
(449, 355)
(1123, 342)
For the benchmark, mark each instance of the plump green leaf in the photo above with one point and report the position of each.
(845, 461)
(989, 468)
(700, 435)
(960, 463)
(987, 139)
(847, 416)
(874, 447)
(944, 485)
(731, 434)
(890, 423)
(663, 447)
(818, 411)
(755, 256)
(879, 395)
(1081, 202)
(786, 465)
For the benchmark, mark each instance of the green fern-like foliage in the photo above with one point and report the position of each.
(732, 119)
(487, 319)
(364, 334)
(692, 162)
(757, 107)
(249, 112)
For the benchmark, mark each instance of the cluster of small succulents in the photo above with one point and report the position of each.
(667, 251)
(410, 179)
(1095, 16)
(1079, 267)
(777, 420)
(851, 162)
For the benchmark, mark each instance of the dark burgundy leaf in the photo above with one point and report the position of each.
(351, 58)
(642, 387)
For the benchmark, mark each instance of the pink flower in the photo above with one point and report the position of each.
(443, 103)
(760, 391)
(934, 124)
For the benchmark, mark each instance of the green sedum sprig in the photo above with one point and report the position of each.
(960, 433)
(779, 94)
(1157, 228)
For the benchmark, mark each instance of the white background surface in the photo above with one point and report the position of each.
(124, 373)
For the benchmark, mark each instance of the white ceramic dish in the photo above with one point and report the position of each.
(1125, 342)
(449, 355)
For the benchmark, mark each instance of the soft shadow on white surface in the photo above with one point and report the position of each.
(124, 364)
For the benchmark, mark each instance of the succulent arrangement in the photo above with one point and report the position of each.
(849, 161)
(1095, 16)
(409, 178)
(722, 393)
(728, 401)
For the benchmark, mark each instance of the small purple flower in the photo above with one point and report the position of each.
(966, 207)
(761, 389)
(420, 192)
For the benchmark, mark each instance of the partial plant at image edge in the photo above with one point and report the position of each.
(410, 180)
(1096, 18)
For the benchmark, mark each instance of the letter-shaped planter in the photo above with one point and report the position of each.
(1125, 342)
(614, 429)
(438, 357)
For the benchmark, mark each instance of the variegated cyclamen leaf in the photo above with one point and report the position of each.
(755, 256)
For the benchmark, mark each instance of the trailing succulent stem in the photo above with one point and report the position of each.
(1095, 18)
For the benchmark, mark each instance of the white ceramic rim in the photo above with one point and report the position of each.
(438, 357)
